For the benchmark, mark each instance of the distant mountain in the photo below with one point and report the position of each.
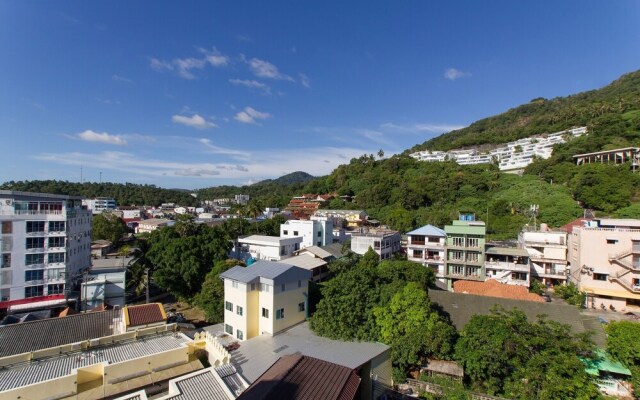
(288, 179)
(610, 110)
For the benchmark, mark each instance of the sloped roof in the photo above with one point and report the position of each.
(428, 230)
(316, 251)
(144, 314)
(301, 377)
(42, 334)
(444, 367)
(335, 249)
(305, 262)
(261, 268)
(493, 288)
(602, 362)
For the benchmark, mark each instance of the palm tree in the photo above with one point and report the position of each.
(255, 208)
(138, 266)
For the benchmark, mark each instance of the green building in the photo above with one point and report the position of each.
(465, 249)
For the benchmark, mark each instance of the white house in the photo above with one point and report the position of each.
(272, 248)
(548, 254)
(384, 242)
(425, 245)
(313, 233)
(264, 298)
(150, 225)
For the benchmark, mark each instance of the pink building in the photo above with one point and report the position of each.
(605, 262)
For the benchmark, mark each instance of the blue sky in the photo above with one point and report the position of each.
(197, 94)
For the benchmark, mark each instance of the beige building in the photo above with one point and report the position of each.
(384, 242)
(264, 298)
(547, 253)
(150, 225)
(605, 262)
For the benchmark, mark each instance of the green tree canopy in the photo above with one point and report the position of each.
(107, 226)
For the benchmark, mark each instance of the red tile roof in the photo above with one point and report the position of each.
(144, 314)
(578, 222)
(493, 288)
(301, 377)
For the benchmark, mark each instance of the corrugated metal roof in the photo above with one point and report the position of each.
(42, 334)
(507, 251)
(301, 377)
(200, 386)
(306, 262)
(316, 251)
(428, 230)
(261, 268)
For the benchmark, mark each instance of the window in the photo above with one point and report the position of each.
(228, 328)
(612, 241)
(55, 273)
(56, 258)
(473, 271)
(285, 232)
(457, 270)
(283, 251)
(473, 257)
(31, 259)
(254, 287)
(280, 313)
(228, 306)
(600, 277)
(301, 307)
(7, 227)
(239, 310)
(319, 234)
(319, 244)
(56, 226)
(472, 242)
(458, 241)
(295, 233)
(35, 243)
(6, 261)
(457, 255)
(299, 283)
(33, 291)
(239, 334)
(519, 276)
(56, 241)
(265, 312)
(417, 253)
(264, 287)
(55, 289)
(282, 287)
(234, 284)
(34, 275)
(35, 226)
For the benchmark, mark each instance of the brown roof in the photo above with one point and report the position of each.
(67, 311)
(493, 288)
(301, 377)
(444, 367)
(144, 314)
(578, 222)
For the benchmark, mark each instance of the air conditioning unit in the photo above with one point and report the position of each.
(8, 202)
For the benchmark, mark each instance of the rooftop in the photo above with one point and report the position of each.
(506, 251)
(256, 355)
(144, 314)
(306, 262)
(46, 333)
(28, 373)
(30, 195)
(316, 251)
(301, 377)
(264, 239)
(444, 367)
(493, 288)
(259, 269)
(335, 249)
(428, 230)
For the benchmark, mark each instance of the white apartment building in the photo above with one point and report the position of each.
(272, 248)
(314, 233)
(425, 245)
(547, 254)
(45, 243)
(605, 262)
(264, 299)
(508, 265)
(514, 155)
(150, 225)
(384, 242)
(342, 218)
(99, 204)
(241, 199)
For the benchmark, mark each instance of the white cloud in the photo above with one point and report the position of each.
(196, 172)
(160, 65)
(185, 67)
(213, 149)
(214, 57)
(119, 78)
(250, 115)
(419, 128)
(304, 80)
(452, 74)
(251, 84)
(195, 121)
(265, 69)
(101, 137)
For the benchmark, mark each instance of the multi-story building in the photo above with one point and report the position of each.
(605, 262)
(384, 242)
(342, 218)
(313, 233)
(150, 225)
(547, 254)
(272, 248)
(265, 298)
(45, 244)
(241, 199)
(100, 204)
(508, 265)
(465, 249)
(425, 245)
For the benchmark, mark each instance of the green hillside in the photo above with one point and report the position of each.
(613, 110)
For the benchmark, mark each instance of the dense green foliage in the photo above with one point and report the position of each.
(623, 344)
(384, 301)
(614, 109)
(571, 294)
(183, 254)
(125, 194)
(211, 297)
(108, 227)
(505, 354)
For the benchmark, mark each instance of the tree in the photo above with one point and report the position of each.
(622, 344)
(255, 208)
(211, 297)
(182, 263)
(380, 154)
(137, 270)
(107, 226)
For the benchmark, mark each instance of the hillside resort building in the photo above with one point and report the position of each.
(45, 244)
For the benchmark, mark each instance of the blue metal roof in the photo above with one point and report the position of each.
(428, 230)
(259, 269)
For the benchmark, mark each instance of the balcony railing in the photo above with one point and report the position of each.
(507, 266)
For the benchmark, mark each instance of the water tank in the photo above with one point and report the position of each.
(544, 228)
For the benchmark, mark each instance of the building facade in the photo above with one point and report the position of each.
(45, 244)
(547, 254)
(313, 233)
(605, 262)
(508, 265)
(271, 248)
(265, 298)
(425, 245)
(384, 242)
(100, 204)
(465, 249)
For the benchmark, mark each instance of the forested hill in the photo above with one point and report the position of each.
(603, 110)
(294, 177)
(125, 194)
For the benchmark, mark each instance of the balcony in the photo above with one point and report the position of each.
(634, 288)
(35, 234)
(35, 249)
(507, 266)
